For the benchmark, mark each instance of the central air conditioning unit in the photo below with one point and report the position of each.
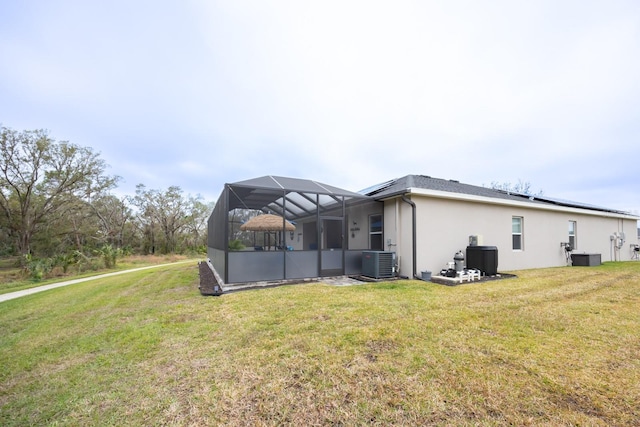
(378, 264)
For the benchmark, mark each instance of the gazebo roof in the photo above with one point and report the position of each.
(267, 222)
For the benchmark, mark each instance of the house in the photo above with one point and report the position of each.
(424, 221)
(528, 231)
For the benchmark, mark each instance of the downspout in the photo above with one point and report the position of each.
(413, 234)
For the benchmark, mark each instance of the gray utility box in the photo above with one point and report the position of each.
(377, 264)
(586, 260)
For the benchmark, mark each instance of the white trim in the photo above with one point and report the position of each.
(521, 233)
(515, 203)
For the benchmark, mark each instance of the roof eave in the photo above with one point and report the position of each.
(505, 202)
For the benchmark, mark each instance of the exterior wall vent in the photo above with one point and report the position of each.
(378, 264)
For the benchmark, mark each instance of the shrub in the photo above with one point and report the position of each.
(66, 260)
(109, 255)
(37, 268)
(236, 245)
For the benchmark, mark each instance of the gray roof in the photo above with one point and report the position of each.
(400, 186)
(279, 183)
(267, 192)
(289, 197)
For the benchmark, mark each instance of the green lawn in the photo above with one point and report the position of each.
(12, 278)
(552, 347)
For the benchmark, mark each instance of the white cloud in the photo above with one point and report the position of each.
(349, 93)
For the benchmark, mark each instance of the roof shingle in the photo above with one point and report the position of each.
(400, 186)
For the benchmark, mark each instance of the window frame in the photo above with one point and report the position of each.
(573, 234)
(517, 234)
(377, 232)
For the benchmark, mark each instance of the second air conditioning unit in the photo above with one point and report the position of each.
(378, 264)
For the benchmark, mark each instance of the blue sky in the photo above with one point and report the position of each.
(350, 93)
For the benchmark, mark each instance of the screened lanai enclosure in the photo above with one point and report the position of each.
(318, 230)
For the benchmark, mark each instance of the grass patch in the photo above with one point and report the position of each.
(13, 278)
(553, 347)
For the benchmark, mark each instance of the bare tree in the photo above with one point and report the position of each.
(145, 217)
(521, 187)
(113, 214)
(166, 210)
(196, 222)
(41, 178)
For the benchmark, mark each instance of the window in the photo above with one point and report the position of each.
(572, 235)
(375, 232)
(516, 233)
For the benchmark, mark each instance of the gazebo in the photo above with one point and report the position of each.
(323, 230)
(268, 223)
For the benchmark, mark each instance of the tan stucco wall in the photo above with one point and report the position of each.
(398, 233)
(358, 225)
(444, 227)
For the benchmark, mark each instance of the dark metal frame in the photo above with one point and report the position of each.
(294, 200)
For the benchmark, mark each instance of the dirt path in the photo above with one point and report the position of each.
(18, 294)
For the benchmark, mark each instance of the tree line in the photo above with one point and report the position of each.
(56, 198)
